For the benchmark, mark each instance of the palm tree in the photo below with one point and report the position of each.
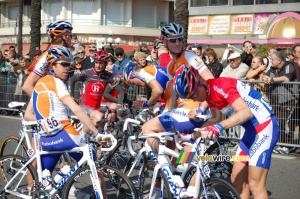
(20, 28)
(181, 16)
(35, 26)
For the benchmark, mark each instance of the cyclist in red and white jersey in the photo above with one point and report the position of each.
(60, 33)
(95, 80)
(244, 106)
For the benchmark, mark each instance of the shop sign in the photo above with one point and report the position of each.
(241, 24)
(198, 25)
(260, 22)
(219, 25)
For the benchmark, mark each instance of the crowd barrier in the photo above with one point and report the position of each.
(283, 97)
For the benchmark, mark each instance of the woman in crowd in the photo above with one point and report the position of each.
(78, 65)
(211, 60)
(140, 58)
(110, 63)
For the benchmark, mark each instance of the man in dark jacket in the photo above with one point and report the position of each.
(247, 56)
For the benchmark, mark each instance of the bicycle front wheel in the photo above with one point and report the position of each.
(11, 145)
(218, 189)
(79, 185)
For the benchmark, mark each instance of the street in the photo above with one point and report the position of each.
(283, 179)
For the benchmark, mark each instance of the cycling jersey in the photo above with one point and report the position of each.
(155, 72)
(93, 86)
(262, 130)
(39, 68)
(53, 124)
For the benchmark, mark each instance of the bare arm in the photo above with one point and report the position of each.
(30, 82)
(81, 115)
(29, 113)
(157, 90)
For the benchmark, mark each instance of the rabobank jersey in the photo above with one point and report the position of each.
(39, 68)
(50, 112)
(155, 72)
(224, 91)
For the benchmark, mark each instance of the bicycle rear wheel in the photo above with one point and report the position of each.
(218, 189)
(79, 185)
(9, 146)
(9, 166)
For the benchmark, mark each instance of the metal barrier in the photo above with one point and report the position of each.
(284, 99)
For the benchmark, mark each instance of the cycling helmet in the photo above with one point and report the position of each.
(58, 28)
(185, 82)
(59, 53)
(156, 42)
(128, 70)
(100, 56)
(172, 31)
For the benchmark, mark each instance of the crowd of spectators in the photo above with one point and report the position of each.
(243, 64)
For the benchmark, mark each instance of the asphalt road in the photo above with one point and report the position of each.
(282, 183)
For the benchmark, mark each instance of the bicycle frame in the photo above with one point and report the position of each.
(87, 158)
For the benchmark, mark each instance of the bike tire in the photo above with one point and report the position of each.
(9, 166)
(79, 185)
(9, 145)
(146, 175)
(218, 189)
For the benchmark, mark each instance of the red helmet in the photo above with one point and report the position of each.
(185, 82)
(100, 56)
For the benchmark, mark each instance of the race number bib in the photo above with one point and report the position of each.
(49, 126)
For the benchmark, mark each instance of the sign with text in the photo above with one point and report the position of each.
(198, 25)
(241, 24)
(219, 25)
(260, 22)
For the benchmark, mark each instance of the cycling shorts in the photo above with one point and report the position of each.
(104, 105)
(178, 118)
(60, 142)
(88, 110)
(258, 143)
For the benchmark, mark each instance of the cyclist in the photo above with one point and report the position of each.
(173, 41)
(60, 33)
(95, 80)
(49, 101)
(247, 107)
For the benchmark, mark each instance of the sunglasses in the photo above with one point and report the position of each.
(79, 53)
(119, 55)
(174, 40)
(5, 54)
(64, 64)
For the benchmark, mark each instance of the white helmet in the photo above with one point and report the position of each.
(172, 31)
(57, 53)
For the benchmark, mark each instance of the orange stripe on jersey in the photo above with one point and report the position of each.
(39, 88)
(151, 69)
(69, 128)
(43, 104)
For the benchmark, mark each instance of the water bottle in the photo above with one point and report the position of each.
(47, 180)
(62, 173)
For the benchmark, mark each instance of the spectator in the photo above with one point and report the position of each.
(283, 95)
(256, 72)
(236, 69)
(267, 60)
(211, 60)
(110, 51)
(78, 65)
(21, 76)
(196, 48)
(144, 47)
(75, 42)
(37, 54)
(246, 56)
(228, 51)
(140, 58)
(5, 53)
(121, 62)
(13, 49)
(92, 50)
(86, 59)
(110, 63)
(153, 56)
(2, 59)
(136, 48)
(161, 52)
(73, 51)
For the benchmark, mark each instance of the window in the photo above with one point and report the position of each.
(243, 2)
(266, 2)
(218, 2)
(290, 1)
(199, 3)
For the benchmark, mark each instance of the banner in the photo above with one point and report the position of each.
(260, 22)
(198, 25)
(241, 24)
(219, 25)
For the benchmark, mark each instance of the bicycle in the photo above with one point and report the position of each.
(82, 179)
(205, 186)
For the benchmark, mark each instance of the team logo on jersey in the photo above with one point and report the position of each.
(98, 88)
(220, 91)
